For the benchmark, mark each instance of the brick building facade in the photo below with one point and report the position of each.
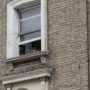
(66, 65)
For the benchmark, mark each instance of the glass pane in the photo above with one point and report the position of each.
(30, 24)
(30, 36)
(25, 49)
(30, 12)
(30, 47)
(36, 46)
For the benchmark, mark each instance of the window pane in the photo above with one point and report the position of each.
(36, 46)
(30, 24)
(25, 49)
(30, 12)
(30, 36)
(30, 47)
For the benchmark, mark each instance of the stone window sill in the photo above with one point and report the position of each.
(26, 57)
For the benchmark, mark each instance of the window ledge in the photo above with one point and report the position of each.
(26, 57)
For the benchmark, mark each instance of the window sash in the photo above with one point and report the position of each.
(28, 36)
(28, 41)
(37, 15)
(20, 34)
(32, 31)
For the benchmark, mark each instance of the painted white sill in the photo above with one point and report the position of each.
(27, 57)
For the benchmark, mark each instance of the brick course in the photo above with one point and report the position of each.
(67, 39)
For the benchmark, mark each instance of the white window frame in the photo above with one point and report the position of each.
(13, 26)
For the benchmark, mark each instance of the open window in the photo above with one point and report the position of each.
(30, 30)
(26, 27)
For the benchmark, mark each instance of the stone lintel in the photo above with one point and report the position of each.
(26, 76)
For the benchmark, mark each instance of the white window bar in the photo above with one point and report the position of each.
(30, 17)
(31, 40)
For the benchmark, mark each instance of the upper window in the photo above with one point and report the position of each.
(26, 27)
(30, 30)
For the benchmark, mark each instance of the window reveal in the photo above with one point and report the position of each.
(30, 30)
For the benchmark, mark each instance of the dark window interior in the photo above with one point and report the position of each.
(31, 47)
